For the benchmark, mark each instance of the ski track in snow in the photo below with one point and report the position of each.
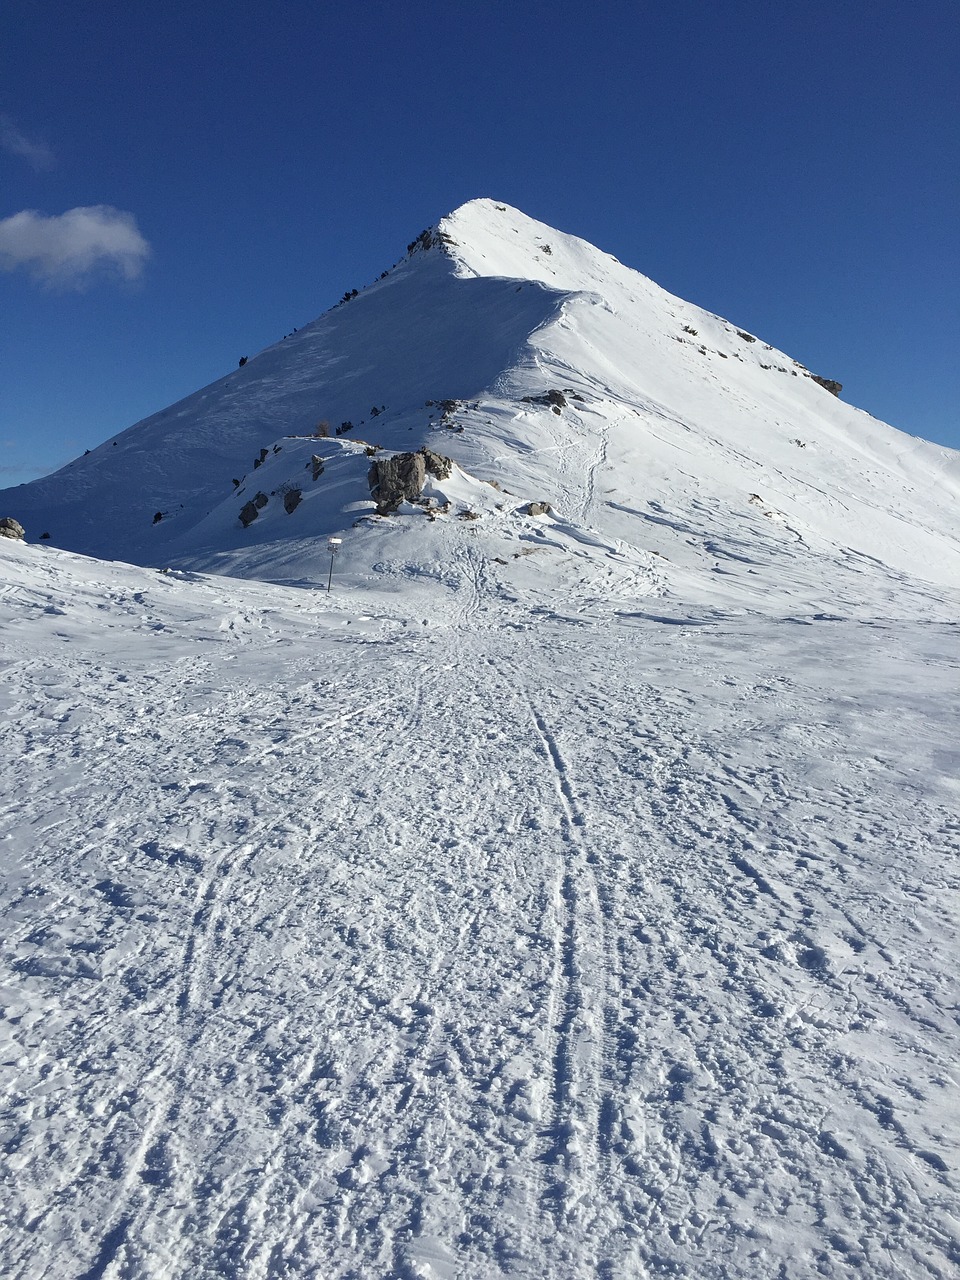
(505, 945)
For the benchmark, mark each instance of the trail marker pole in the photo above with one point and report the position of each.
(333, 546)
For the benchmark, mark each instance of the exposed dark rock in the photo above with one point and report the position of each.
(291, 500)
(554, 398)
(747, 337)
(260, 500)
(437, 464)
(157, 517)
(539, 509)
(248, 513)
(427, 239)
(315, 467)
(397, 479)
(833, 387)
(10, 528)
(258, 462)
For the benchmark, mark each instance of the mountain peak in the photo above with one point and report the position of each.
(555, 376)
(486, 237)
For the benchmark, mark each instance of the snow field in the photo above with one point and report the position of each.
(592, 941)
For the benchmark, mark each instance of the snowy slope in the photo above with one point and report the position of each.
(562, 895)
(681, 436)
(472, 932)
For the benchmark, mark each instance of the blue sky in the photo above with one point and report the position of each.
(793, 167)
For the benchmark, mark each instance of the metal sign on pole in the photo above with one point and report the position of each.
(333, 546)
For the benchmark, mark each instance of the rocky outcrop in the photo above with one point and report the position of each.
(291, 500)
(397, 479)
(437, 464)
(833, 387)
(539, 509)
(10, 528)
(402, 477)
(428, 239)
(554, 398)
(252, 509)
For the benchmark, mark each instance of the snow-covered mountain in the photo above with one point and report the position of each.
(545, 367)
(567, 893)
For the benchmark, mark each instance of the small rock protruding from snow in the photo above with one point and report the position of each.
(10, 528)
(252, 509)
(554, 398)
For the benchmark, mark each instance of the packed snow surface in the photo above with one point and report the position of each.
(562, 895)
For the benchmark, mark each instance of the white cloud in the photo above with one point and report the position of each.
(37, 154)
(71, 247)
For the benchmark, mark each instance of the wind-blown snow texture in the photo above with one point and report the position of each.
(563, 895)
